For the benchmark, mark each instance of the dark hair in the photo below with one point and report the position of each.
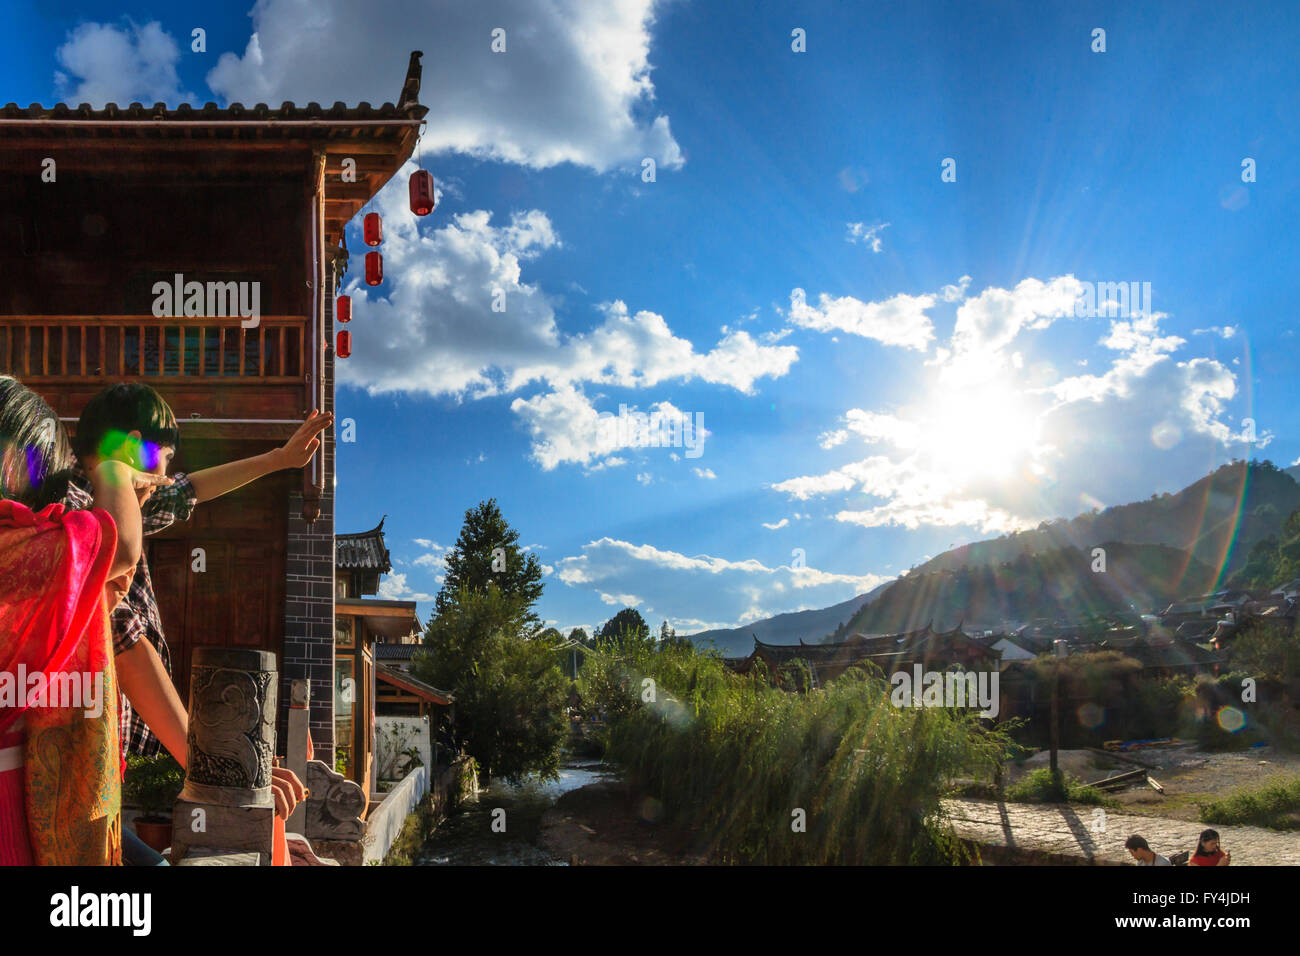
(1200, 843)
(1136, 842)
(35, 455)
(127, 407)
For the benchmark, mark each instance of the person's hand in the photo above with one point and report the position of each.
(297, 451)
(143, 483)
(1227, 858)
(118, 588)
(287, 790)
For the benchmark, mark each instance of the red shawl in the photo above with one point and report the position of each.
(54, 621)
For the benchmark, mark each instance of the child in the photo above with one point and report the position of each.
(132, 423)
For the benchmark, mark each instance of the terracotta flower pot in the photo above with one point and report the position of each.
(155, 833)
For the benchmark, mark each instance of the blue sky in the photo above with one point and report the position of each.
(885, 363)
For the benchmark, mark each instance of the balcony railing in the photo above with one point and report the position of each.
(172, 349)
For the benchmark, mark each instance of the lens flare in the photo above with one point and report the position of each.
(1091, 716)
(1231, 719)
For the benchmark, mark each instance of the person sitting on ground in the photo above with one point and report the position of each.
(1208, 852)
(131, 423)
(1139, 849)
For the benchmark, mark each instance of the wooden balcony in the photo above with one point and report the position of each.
(207, 368)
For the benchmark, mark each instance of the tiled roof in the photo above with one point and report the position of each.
(395, 652)
(258, 119)
(362, 551)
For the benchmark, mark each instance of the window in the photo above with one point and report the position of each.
(343, 632)
(345, 694)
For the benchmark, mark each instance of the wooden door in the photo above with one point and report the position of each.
(219, 578)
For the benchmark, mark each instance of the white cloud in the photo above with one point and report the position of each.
(704, 591)
(867, 235)
(954, 293)
(567, 429)
(437, 333)
(997, 452)
(393, 587)
(1223, 331)
(780, 524)
(120, 65)
(573, 85)
(899, 321)
(706, 473)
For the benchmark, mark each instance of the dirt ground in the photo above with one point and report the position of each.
(602, 824)
(1189, 776)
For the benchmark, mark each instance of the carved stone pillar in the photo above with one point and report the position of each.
(227, 804)
(335, 807)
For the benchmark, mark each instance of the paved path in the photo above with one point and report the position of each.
(1079, 834)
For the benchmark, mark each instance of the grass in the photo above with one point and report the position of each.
(1276, 807)
(834, 776)
(417, 829)
(1041, 786)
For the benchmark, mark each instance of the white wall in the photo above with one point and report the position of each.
(417, 735)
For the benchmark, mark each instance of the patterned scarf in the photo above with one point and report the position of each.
(54, 622)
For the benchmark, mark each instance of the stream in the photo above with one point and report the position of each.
(468, 837)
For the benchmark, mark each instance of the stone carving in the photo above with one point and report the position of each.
(335, 805)
(232, 721)
(227, 805)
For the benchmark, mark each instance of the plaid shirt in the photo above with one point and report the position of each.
(137, 616)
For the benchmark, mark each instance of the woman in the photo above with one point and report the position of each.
(60, 758)
(1208, 852)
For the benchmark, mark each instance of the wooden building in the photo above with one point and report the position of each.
(934, 650)
(360, 624)
(98, 210)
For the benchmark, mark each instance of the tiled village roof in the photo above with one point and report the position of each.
(250, 122)
(230, 142)
(419, 688)
(395, 652)
(362, 551)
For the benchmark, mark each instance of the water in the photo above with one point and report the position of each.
(467, 839)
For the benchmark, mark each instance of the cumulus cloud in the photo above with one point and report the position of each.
(393, 587)
(900, 321)
(703, 591)
(998, 452)
(705, 473)
(435, 330)
(573, 84)
(102, 63)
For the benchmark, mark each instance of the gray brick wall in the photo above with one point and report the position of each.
(309, 585)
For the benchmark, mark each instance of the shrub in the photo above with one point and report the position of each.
(1276, 806)
(741, 758)
(152, 784)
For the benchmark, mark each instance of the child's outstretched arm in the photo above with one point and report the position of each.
(146, 685)
(295, 453)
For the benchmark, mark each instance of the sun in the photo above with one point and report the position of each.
(984, 432)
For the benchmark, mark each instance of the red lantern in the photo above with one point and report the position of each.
(374, 229)
(421, 192)
(344, 346)
(343, 308)
(374, 268)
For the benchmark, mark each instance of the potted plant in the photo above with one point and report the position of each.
(152, 785)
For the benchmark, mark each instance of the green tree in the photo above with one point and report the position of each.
(580, 636)
(487, 552)
(510, 690)
(625, 627)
